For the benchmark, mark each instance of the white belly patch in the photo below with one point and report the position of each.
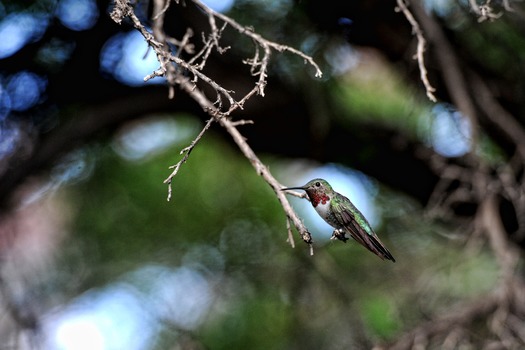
(322, 209)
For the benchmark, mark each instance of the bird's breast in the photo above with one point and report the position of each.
(323, 209)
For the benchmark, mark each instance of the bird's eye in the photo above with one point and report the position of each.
(317, 184)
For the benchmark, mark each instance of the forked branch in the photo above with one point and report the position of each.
(186, 73)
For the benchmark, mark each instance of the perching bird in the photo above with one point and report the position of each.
(341, 214)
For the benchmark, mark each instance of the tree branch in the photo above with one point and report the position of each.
(259, 67)
(421, 43)
(259, 167)
(450, 67)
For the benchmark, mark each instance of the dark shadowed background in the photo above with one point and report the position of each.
(92, 256)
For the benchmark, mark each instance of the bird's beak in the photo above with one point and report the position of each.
(293, 188)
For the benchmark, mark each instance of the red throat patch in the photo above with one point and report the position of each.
(317, 198)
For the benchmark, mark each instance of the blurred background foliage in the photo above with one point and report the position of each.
(218, 252)
(94, 257)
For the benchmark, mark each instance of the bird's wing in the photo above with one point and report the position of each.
(360, 230)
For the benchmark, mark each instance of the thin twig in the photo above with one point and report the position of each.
(452, 71)
(176, 76)
(186, 151)
(421, 43)
(258, 38)
(263, 171)
(247, 151)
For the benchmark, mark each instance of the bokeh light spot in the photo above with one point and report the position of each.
(25, 90)
(450, 133)
(126, 57)
(150, 136)
(219, 5)
(18, 29)
(113, 318)
(77, 14)
(5, 103)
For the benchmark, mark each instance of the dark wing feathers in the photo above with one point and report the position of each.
(366, 239)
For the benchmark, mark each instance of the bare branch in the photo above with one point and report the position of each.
(242, 122)
(453, 74)
(186, 151)
(258, 38)
(421, 43)
(259, 167)
(463, 316)
(263, 171)
(259, 68)
(498, 116)
(506, 254)
(485, 10)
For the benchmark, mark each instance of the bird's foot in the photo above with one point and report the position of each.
(340, 235)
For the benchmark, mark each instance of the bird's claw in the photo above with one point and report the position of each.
(340, 235)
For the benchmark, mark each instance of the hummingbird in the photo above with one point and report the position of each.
(340, 213)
